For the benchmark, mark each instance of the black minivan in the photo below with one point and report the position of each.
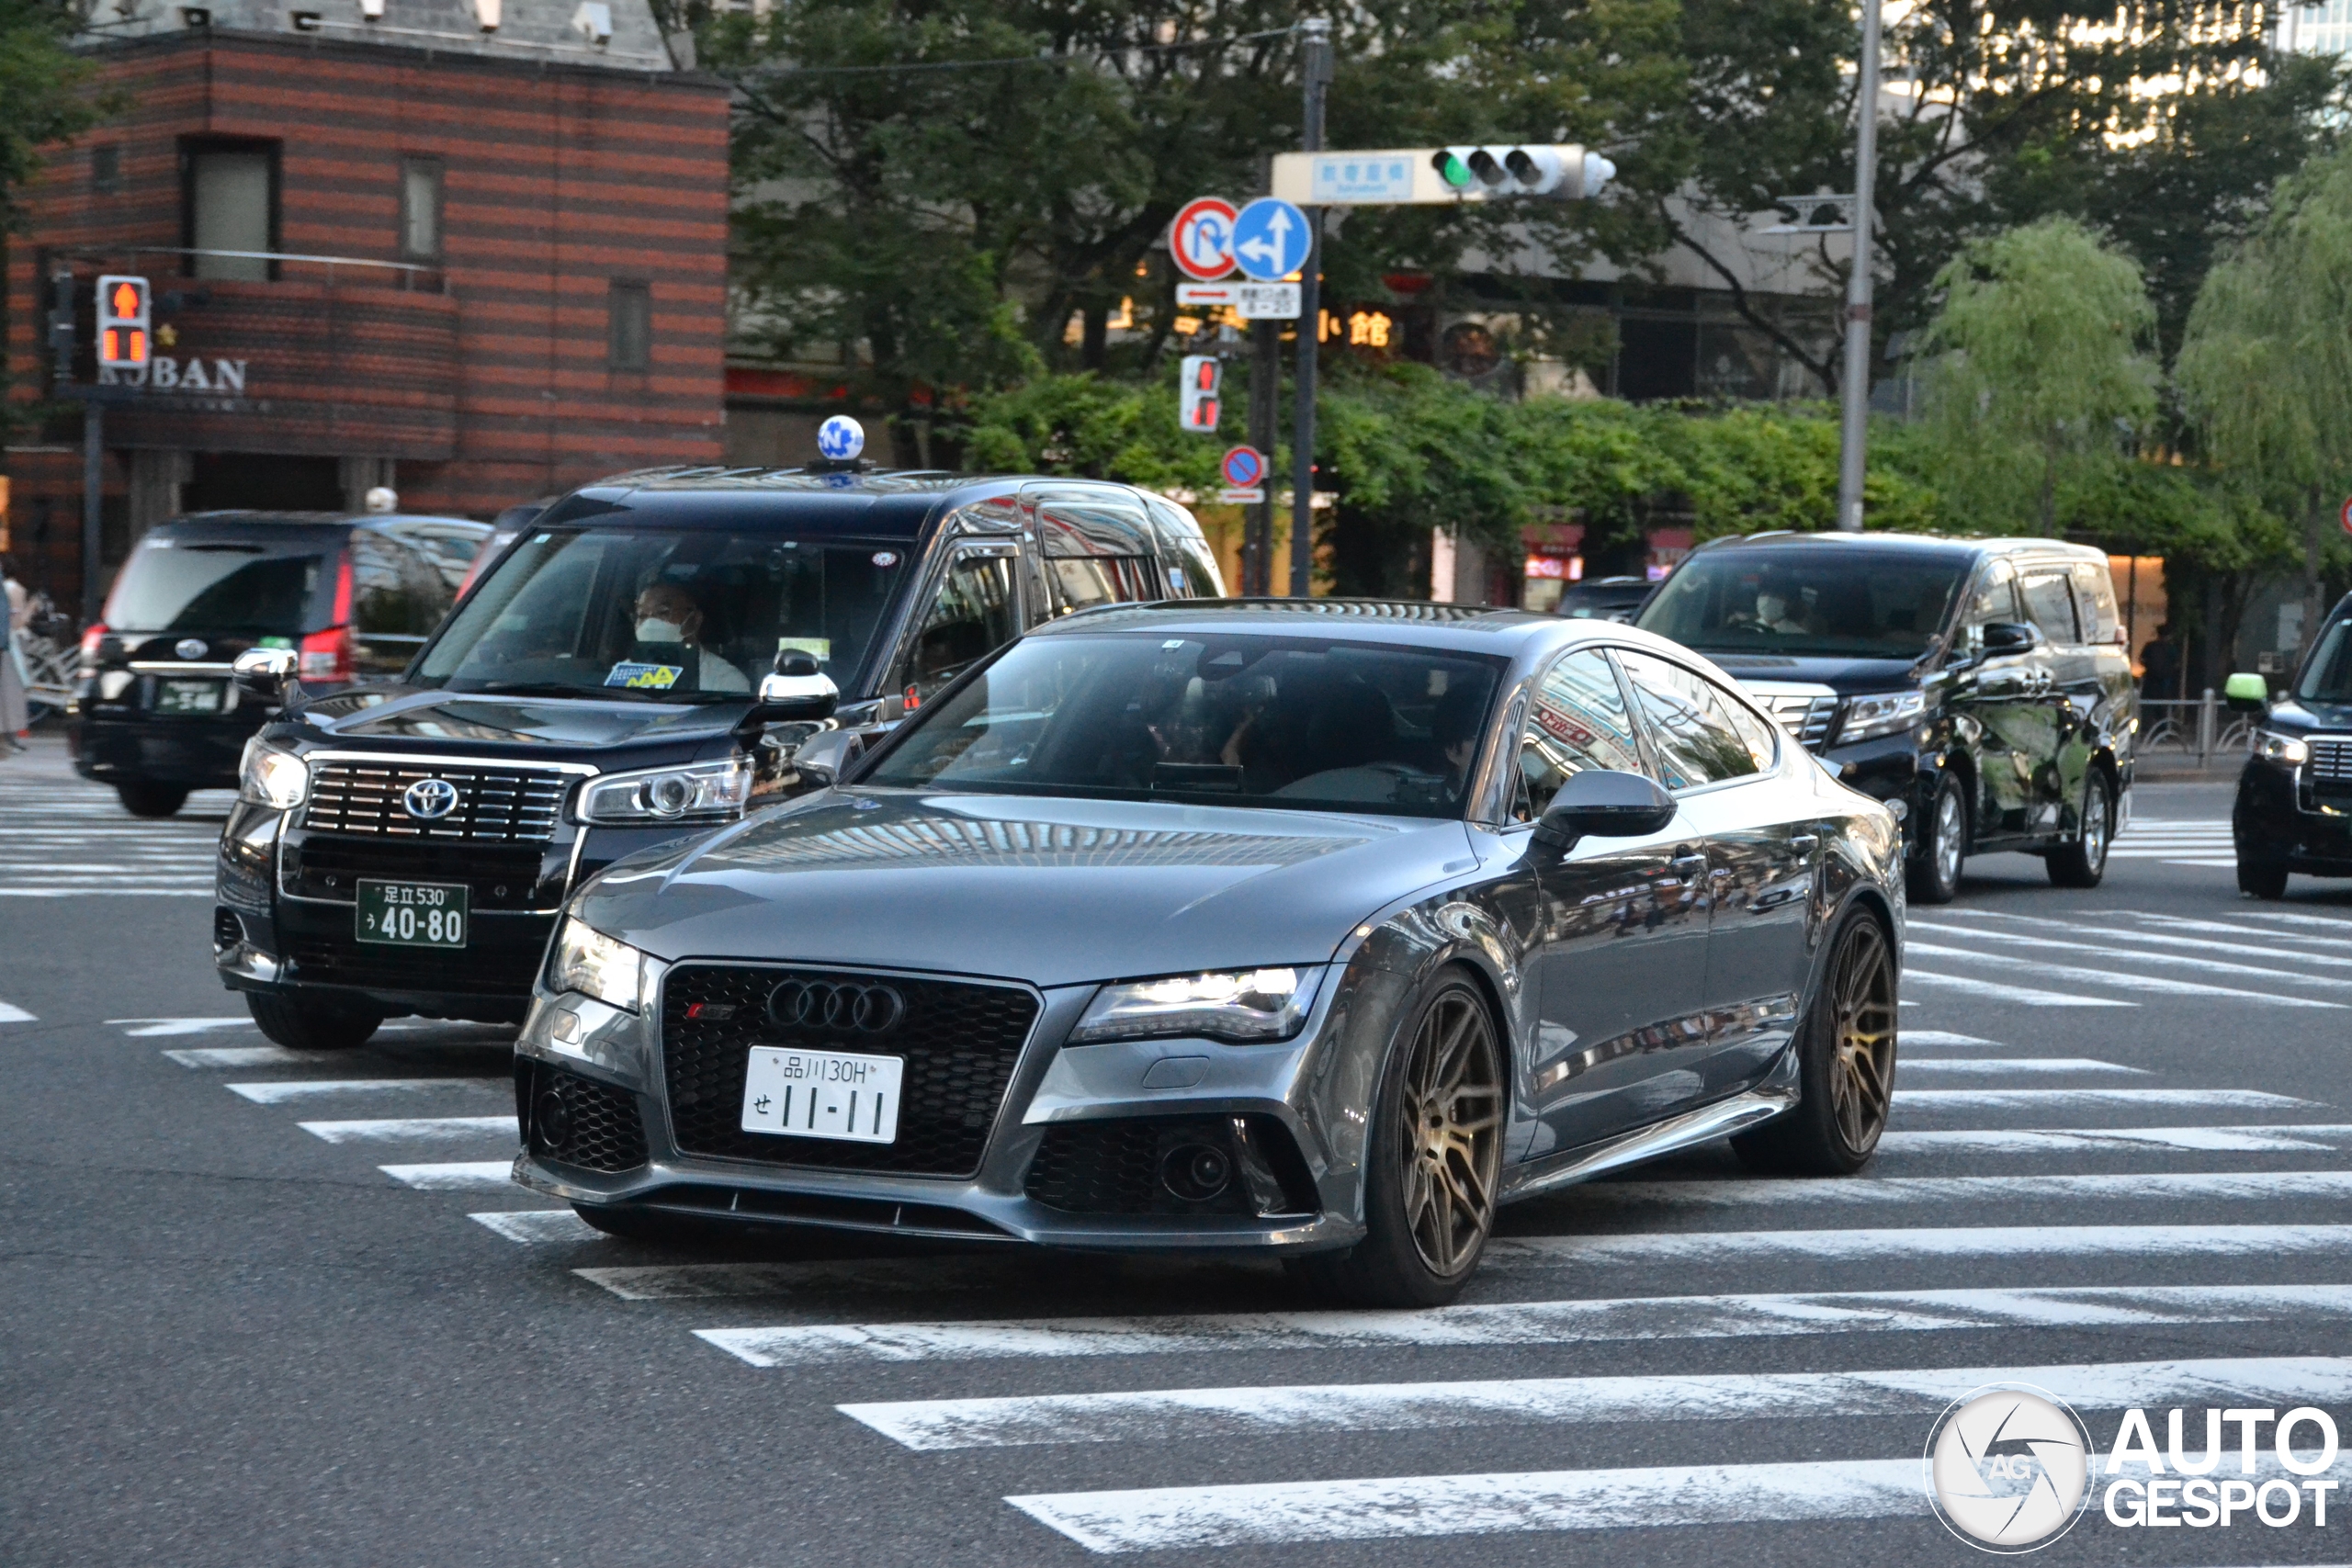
(649, 656)
(154, 712)
(2294, 804)
(1980, 687)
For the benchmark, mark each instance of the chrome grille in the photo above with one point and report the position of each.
(2330, 760)
(1804, 714)
(501, 803)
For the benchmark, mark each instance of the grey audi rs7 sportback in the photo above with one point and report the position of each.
(1319, 929)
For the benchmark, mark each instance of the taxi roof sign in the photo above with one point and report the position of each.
(124, 337)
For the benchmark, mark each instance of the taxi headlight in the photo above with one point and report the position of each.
(1882, 715)
(595, 964)
(1248, 1006)
(2287, 751)
(267, 776)
(695, 792)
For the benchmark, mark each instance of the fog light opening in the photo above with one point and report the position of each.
(1196, 1172)
(552, 1119)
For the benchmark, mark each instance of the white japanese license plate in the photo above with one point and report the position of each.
(189, 696)
(822, 1094)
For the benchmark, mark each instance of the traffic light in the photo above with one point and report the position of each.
(1489, 174)
(123, 341)
(1203, 375)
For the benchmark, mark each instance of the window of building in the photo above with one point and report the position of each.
(421, 208)
(229, 194)
(632, 325)
(105, 170)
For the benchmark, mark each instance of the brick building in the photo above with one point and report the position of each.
(479, 257)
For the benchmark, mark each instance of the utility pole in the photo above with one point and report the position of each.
(1854, 393)
(1265, 417)
(1316, 72)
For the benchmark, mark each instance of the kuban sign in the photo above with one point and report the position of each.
(166, 373)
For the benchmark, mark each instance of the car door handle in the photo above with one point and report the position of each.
(1804, 843)
(1687, 862)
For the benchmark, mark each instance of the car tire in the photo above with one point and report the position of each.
(2261, 876)
(1432, 1160)
(302, 1024)
(143, 799)
(1846, 1050)
(1933, 874)
(2081, 860)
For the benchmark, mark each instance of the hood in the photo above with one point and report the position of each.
(1052, 891)
(2302, 716)
(408, 713)
(1842, 674)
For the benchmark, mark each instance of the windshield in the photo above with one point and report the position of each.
(2328, 677)
(1819, 601)
(1235, 720)
(229, 586)
(689, 614)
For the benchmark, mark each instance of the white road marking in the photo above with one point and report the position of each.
(538, 1228)
(280, 1091)
(420, 1129)
(2038, 1099)
(1941, 1037)
(151, 1028)
(2284, 1137)
(11, 1013)
(2185, 923)
(2170, 1186)
(1195, 1413)
(1951, 1241)
(2082, 975)
(2046, 944)
(2001, 1066)
(704, 1281)
(2324, 921)
(2158, 939)
(458, 1176)
(1537, 1322)
(249, 1056)
(2024, 996)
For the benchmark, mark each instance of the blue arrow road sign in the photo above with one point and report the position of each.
(1270, 240)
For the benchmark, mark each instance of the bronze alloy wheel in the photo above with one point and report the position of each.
(1861, 1062)
(1451, 1145)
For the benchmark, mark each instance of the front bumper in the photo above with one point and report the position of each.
(2277, 817)
(571, 1040)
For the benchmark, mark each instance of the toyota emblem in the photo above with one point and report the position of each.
(816, 1006)
(191, 647)
(429, 800)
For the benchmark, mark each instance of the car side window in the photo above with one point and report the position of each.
(1576, 721)
(976, 611)
(1763, 740)
(1691, 731)
(1996, 597)
(2050, 604)
(1080, 583)
(2095, 601)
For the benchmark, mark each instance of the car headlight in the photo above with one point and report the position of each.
(267, 776)
(595, 964)
(2287, 751)
(1882, 714)
(1248, 1006)
(701, 792)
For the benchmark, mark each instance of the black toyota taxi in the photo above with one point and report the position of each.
(2294, 805)
(649, 656)
(1980, 687)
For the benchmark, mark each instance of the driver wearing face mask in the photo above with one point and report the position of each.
(666, 613)
(1772, 612)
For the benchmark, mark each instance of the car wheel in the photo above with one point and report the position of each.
(141, 798)
(2081, 860)
(1934, 872)
(1431, 1162)
(1845, 1062)
(2262, 878)
(302, 1024)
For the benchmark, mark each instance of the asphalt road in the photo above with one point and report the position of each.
(258, 1309)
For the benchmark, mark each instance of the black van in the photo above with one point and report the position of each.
(404, 847)
(2294, 805)
(153, 711)
(1980, 687)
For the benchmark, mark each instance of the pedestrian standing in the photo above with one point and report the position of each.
(16, 714)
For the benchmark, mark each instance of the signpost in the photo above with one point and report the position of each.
(2345, 516)
(1201, 240)
(1244, 468)
(1251, 301)
(1270, 239)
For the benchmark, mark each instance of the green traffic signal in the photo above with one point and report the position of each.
(1452, 170)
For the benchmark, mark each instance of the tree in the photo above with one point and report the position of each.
(2265, 367)
(2042, 364)
(45, 87)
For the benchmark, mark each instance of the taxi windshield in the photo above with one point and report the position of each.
(1813, 602)
(665, 615)
(1293, 723)
(2328, 677)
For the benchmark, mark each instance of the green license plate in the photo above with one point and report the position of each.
(189, 696)
(412, 914)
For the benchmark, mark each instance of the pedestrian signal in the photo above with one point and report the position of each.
(1197, 412)
(123, 332)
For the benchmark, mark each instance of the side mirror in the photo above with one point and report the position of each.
(2008, 637)
(2247, 694)
(263, 672)
(797, 690)
(1602, 803)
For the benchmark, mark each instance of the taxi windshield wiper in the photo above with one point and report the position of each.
(555, 689)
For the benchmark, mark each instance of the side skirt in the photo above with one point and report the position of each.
(1775, 1093)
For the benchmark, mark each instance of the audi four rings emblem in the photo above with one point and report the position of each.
(430, 800)
(835, 1009)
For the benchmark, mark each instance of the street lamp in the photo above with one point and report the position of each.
(1854, 393)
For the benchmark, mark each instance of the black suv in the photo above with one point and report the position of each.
(2294, 805)
(617, 677)
(1980, 687)
(153, 711)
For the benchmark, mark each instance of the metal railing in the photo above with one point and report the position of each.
(2193, 730)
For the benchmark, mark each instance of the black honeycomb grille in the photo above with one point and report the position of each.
(577, 1121)
(1114, 1168)
(959, 1040)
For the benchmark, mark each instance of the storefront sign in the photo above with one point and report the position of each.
(194, 374)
